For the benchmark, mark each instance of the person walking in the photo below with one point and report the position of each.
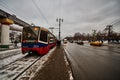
(58, 43)
(15, 43)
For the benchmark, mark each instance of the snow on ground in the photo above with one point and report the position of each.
(30, 73)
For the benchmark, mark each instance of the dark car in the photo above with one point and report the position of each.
(80, 42)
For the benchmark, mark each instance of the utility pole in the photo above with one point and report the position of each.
(94, 34)
(108, 27)
(59, 20)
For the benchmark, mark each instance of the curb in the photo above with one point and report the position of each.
(68, 64)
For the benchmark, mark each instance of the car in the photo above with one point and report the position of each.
(64, 41)
(80, 42)
(96, 43)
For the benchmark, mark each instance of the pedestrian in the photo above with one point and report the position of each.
(58, 43)
(15, 43)
(102, 41)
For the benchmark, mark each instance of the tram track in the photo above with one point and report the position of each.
(9, 53)
(26, 69)
(16, 68)
(9, 60)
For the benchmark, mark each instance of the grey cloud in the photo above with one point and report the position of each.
(78, 15)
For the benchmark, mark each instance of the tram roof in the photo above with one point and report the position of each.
(42, 28)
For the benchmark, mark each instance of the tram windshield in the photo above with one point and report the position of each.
(30, 33)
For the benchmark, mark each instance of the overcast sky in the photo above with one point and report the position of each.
(79, 15)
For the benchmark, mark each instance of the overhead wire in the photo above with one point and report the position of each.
(11, 9)
(14, 11)
(5, 6)
(117, 21)
(40, 11)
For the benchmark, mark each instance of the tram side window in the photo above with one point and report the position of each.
(51, 38)
(43, 36)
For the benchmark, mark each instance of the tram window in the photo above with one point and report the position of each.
(43, 36)
(30, 33)
(51, 38)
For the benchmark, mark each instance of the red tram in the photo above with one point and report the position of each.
(37, 39)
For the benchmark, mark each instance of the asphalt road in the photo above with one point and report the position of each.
(94, 63)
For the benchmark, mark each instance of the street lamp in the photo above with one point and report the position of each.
(59, 20)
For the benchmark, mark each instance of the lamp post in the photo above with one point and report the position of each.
(59, 20)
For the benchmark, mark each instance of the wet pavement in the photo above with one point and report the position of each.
(94, 63)
(87, 63)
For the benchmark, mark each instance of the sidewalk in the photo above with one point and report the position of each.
(111, 44)
(6, 52)
(55, 67)
(10, 47)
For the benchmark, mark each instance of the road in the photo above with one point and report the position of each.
(94, 63)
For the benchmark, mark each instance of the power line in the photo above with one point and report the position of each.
(40, 11)
(115, 21)
(14, 11)
(9, 8)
